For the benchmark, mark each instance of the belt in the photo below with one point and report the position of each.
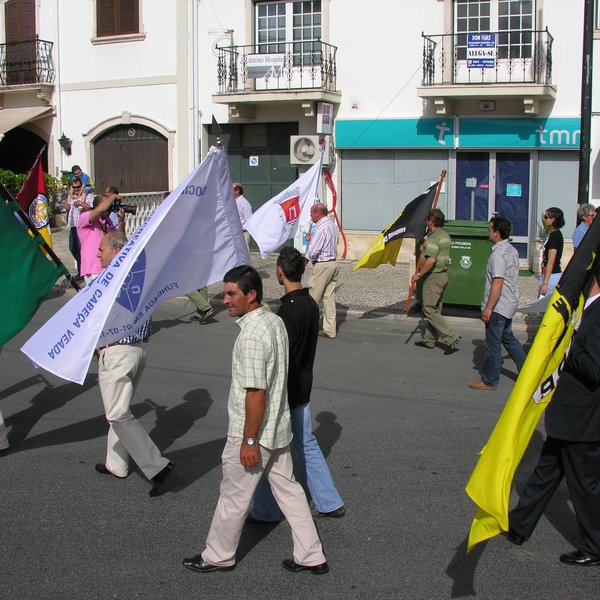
(107, 346)
(314, 262)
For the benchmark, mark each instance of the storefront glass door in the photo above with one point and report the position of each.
(495, 183)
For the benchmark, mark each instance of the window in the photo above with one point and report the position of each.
(117, 17)
(297, 22)
(512, 20)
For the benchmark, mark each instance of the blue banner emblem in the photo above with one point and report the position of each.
(131, 290)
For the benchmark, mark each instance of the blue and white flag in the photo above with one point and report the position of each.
(193, 238)
(277, 220)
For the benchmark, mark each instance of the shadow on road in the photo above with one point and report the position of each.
(44, 402)
(328, 432)
(173, 423)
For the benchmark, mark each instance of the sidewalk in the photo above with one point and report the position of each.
(362, 293)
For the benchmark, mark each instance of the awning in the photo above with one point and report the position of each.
(13, 117)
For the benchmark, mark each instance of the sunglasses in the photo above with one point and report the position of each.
(76, 187)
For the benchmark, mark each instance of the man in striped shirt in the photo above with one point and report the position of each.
(322, 253)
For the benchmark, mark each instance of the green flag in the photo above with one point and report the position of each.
(27, 275)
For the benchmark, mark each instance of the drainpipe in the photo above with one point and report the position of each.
(58, 96)
(586, 104)
(194, 148)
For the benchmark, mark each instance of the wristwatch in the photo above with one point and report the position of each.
(250, 441)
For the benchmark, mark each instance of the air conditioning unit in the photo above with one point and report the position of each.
(306, 149)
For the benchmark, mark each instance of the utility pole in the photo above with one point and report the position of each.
(586, 103)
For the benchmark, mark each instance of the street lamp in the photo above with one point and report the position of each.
(65, 143)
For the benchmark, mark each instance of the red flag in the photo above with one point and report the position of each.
(33, 200)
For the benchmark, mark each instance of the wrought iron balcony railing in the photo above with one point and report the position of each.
(276, 66)
(26, 63)
(521, 56)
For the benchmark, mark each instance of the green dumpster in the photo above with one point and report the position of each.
(469, 253)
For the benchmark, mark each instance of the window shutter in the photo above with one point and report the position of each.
(128, 16)
(105, 17)
(117, 17)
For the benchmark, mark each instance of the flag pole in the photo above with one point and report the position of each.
(27, 222)
(434, 205)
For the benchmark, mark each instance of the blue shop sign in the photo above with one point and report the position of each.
(394, 133)
(542, 133)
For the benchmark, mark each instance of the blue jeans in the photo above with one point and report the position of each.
(311, 465)
(498, 333)
(75, 246)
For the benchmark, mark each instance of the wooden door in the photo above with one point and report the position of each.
(133, 158)
(20, 64)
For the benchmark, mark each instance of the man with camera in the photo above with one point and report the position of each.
(91, 228)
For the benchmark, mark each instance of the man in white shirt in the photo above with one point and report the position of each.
(244, 209)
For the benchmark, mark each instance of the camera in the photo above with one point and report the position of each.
(128, 208)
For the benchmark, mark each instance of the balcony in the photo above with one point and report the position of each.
(303, 72)
(520, 67)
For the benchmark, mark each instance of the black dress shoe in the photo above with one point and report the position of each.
(197, 563)
(101, 468)
(513, 537)
(158, 481)
(579, 558)
(338, 513)
(290, 565)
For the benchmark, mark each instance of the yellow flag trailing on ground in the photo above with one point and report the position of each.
(491, 480)
(410, 223)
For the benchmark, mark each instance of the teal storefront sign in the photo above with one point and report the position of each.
(459, 132)
(394, 133)
(541, 133)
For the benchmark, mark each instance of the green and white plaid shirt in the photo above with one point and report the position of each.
(260, 361)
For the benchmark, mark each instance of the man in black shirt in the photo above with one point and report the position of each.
(300, 314)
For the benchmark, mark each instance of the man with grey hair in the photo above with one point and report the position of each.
(120, 367)
(585, 215)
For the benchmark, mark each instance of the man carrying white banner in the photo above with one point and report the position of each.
(192, 239)
(120, 367)
(277, 220)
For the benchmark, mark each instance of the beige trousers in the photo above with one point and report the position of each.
(119, 370)
(321, 286)
(237, 489)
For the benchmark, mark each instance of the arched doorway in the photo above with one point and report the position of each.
(18, 150)
(133, 158)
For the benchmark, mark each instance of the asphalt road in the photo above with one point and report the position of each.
(399, 426)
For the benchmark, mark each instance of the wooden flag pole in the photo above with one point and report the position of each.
(434, 205)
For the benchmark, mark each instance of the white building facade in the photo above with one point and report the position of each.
(397, 91)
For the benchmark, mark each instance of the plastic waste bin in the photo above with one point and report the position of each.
(469, 253)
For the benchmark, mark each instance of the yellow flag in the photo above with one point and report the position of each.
(410, 223)
(491, 480)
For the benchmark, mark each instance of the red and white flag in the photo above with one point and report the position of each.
(277, 220)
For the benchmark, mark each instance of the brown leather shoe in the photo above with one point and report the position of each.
(480, 385)
(323, 334)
